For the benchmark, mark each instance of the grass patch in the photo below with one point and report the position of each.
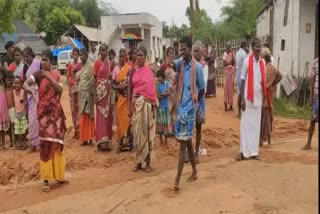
(289, 110)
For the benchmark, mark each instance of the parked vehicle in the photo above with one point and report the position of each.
(64, 58)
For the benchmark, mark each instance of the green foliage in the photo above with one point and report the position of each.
(59, 21)
(6, 16)
(285, 109)
(93, 9)
(55, 16)
(203, 27)
(174, 31)
(240, 17)
(90, 10)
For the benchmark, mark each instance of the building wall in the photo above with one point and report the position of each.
(263, 25)
(110, 23)
(307, 40)
(299, 45)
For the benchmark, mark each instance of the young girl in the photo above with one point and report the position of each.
(163, 125)
(4, 114)
(21, 122)
(10, 103)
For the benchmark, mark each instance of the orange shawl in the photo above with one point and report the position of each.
(251, 78)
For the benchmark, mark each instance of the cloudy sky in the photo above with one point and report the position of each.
(168, 10)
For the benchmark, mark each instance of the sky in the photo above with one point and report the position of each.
(168, 10)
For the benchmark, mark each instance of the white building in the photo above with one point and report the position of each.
(145, 25)
(291, 29)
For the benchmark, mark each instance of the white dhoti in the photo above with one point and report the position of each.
(250, 130)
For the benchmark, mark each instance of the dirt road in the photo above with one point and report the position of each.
(284, 181)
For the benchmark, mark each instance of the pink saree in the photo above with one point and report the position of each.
(103, 104)
(229, 75)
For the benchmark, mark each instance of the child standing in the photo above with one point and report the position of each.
(21, 122)
(4, 115)
(163, 124)
(10, 102)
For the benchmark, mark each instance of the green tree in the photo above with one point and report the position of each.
(6, 16)
(92, 10)
(89, 9)
(203, 26)
(240, 16)
(59, 20)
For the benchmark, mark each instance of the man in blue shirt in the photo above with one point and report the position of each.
(190, 92)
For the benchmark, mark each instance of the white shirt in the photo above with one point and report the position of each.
(257, 83)
(205, 77)
(241, 55)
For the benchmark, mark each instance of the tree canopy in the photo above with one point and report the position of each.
(238, 20)
(6, 16)
(55, 16)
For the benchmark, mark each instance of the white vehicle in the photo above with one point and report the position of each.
(64, 58)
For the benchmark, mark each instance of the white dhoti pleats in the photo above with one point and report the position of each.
(250, 131)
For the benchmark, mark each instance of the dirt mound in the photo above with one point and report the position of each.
(220, 138)
(13, 170)
(284, 128)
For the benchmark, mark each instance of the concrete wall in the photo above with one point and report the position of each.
(151, 33)
(307, 40)
(299, 45)
(263, 25)
(289, 57)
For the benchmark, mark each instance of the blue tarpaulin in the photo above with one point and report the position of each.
(77, 42)
(56, 51)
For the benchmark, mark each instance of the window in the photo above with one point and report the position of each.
(63, 55)
(283, 44)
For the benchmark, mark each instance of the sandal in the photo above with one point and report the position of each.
(306, 147)
(84, 143)
(176, 187)
(192, 178)
(255, 157)
(240, 157)
(148, 169)
(46, 187)
(136, 167)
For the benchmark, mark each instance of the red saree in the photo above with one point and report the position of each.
(103, 104)
(51, 117)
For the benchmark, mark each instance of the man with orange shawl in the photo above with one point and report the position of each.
(229, 74)
(253, 92)
(190, 93)
(120, 85)
(273, 77)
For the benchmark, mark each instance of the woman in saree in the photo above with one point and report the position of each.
(120, 85)
(133, 58)
(229, 75)
(170, 76)
(102, 73)
(17, 66)
(211, 82)
(273, 77)
(32, 65)
(86, 89)
(51, 119)
(73, 68)
(142, 96)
